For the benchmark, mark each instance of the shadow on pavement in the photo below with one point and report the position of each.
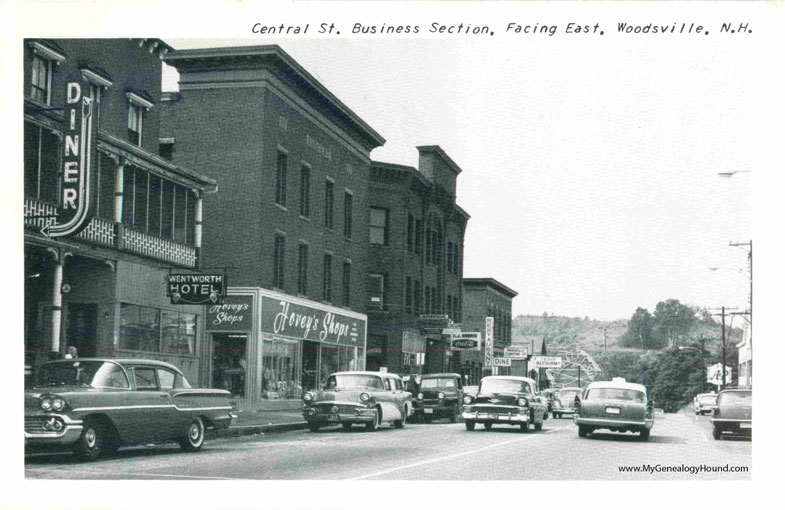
(635, 438)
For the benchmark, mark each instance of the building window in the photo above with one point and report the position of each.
(376, 290)
(410, 234)
(135, 118)
(449, 307)
(378, 226)
(329, 199)
(42, 79)
(278, 259)
(139, 328)
(302, 269)
(347, 214)
(457, 261)
(280, 178)
(178, 332)
(409, 296)
(41, 152)
(450, 255)
(327, 284)
(166, 150)
(427, 300)
(347, 283)
(305, 192)
(417, 297)
(418, 237)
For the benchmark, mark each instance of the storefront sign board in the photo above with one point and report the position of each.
(488, 341)
(195, 289)
(234, 314)
(545, 362)
(466, 341)
(298, 321)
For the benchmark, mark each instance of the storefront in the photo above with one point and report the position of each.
(268, 348)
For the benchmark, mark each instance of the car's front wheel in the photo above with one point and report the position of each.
(91, 443)
(194, 436)
(488, 425)
(346, 426)
(583, 431)
(399, 424)
(455, 414)
(469, 425)
(716, 433)
(645, 433)
(374, 424)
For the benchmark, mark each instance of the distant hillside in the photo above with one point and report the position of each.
(590, 334)
(570, 332)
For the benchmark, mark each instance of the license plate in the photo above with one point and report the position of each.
(612, 410)
(745, 425)
(332, 417)
(428, 411)
(494, 415)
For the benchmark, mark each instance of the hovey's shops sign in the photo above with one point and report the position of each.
(195, 289)
(77, 195)
(302, 322)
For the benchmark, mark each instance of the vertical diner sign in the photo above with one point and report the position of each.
(76, 187)
(489, 341)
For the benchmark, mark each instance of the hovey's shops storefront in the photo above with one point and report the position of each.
(268, 348)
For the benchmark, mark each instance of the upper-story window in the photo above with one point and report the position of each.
(327, 281)
(305, 191)
(410, 234)
(41, 150)
(138, 104)
(45, 58)
(347, 283)
(302, 269)
(378, 226)
(279, 251)
(377, 290)
(329, 203)
(281, 163)
(348, 199)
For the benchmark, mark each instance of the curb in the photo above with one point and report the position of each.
(249, 430)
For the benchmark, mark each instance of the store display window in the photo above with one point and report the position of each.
(280, 375)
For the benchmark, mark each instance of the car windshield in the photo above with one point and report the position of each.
(437, 382)
(736, 397)
(97, 374)
(708, 399)
(354, 381)
(568, 394)
(616, 394)
(504, 386)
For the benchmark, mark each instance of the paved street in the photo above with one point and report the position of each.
(438, 451)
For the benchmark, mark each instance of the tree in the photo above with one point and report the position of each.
(672, 321)
(638, 330)
(677, 375)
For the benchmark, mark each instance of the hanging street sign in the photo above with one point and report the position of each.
(502, 362)
(195, 289)
(714, 374)
(516, 352)
(545, 362)
(466, 341)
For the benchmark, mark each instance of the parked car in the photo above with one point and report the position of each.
(471, 390)
(564, 402)
(510, 400)
(615, 405)
(440, 396)
(733, 413)
(349, 398)
(411, 383)
(703, 403)
(94, 406)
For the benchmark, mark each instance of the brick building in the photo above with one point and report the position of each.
(289, 223)
(415, 263)
(486, 297)
(102, 289)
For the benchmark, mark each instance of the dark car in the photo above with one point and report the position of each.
(349, 398)
(703, 403)
(440, 396)
(615, 405)
(733, 413)
(564, 403)
(94, 406)
(508, 400)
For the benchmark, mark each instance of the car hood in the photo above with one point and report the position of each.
(67, 393)
(500, 398)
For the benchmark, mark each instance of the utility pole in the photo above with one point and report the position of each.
(750, 258)
(724, 340)
(605, 338)
(579, 376)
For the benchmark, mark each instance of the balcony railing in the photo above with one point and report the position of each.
(38, 214)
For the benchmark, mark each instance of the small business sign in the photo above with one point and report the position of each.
(77, 186)
(545, 362)
(466, 341)
(489, 341)
(714, 374)
(451, 331)
(195, 289)
(516, 352)
(502, 362)
(235, 313)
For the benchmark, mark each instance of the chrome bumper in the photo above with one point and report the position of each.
(361, 415)
(493, 417)
(69, 434)
(605, 423)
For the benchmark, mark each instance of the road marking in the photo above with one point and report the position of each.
(139, 473)
(453, 456)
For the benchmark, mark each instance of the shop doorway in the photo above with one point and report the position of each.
(82, 331)
(230, 362)
(310, 365)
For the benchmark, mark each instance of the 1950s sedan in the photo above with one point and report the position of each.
(733, 413)
(510, 400)
(440, 396)
(94, 406)
(368, 398)
(615, 405)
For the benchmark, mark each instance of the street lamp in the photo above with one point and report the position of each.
(732, 173)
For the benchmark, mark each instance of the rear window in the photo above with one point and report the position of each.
(708, 399)
(438, 382)
(616, 394)
(736, 397)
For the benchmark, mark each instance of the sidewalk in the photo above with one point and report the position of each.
(262, 421)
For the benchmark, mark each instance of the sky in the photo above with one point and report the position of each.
(589, 171)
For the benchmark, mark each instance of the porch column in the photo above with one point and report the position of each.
(198, 226)
(118, 201)
(57, 306)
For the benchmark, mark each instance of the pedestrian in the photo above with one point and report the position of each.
(71, 352)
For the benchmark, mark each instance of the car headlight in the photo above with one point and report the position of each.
(46, 403)
(420, 396)
(308, 397)
(364, 397)
(467, 399)
(58, 404)
(441, 395)
(523, 402)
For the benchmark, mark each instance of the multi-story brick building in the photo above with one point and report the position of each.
(486, 297)
(416, 262)
(289, 224)
(103, 289)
